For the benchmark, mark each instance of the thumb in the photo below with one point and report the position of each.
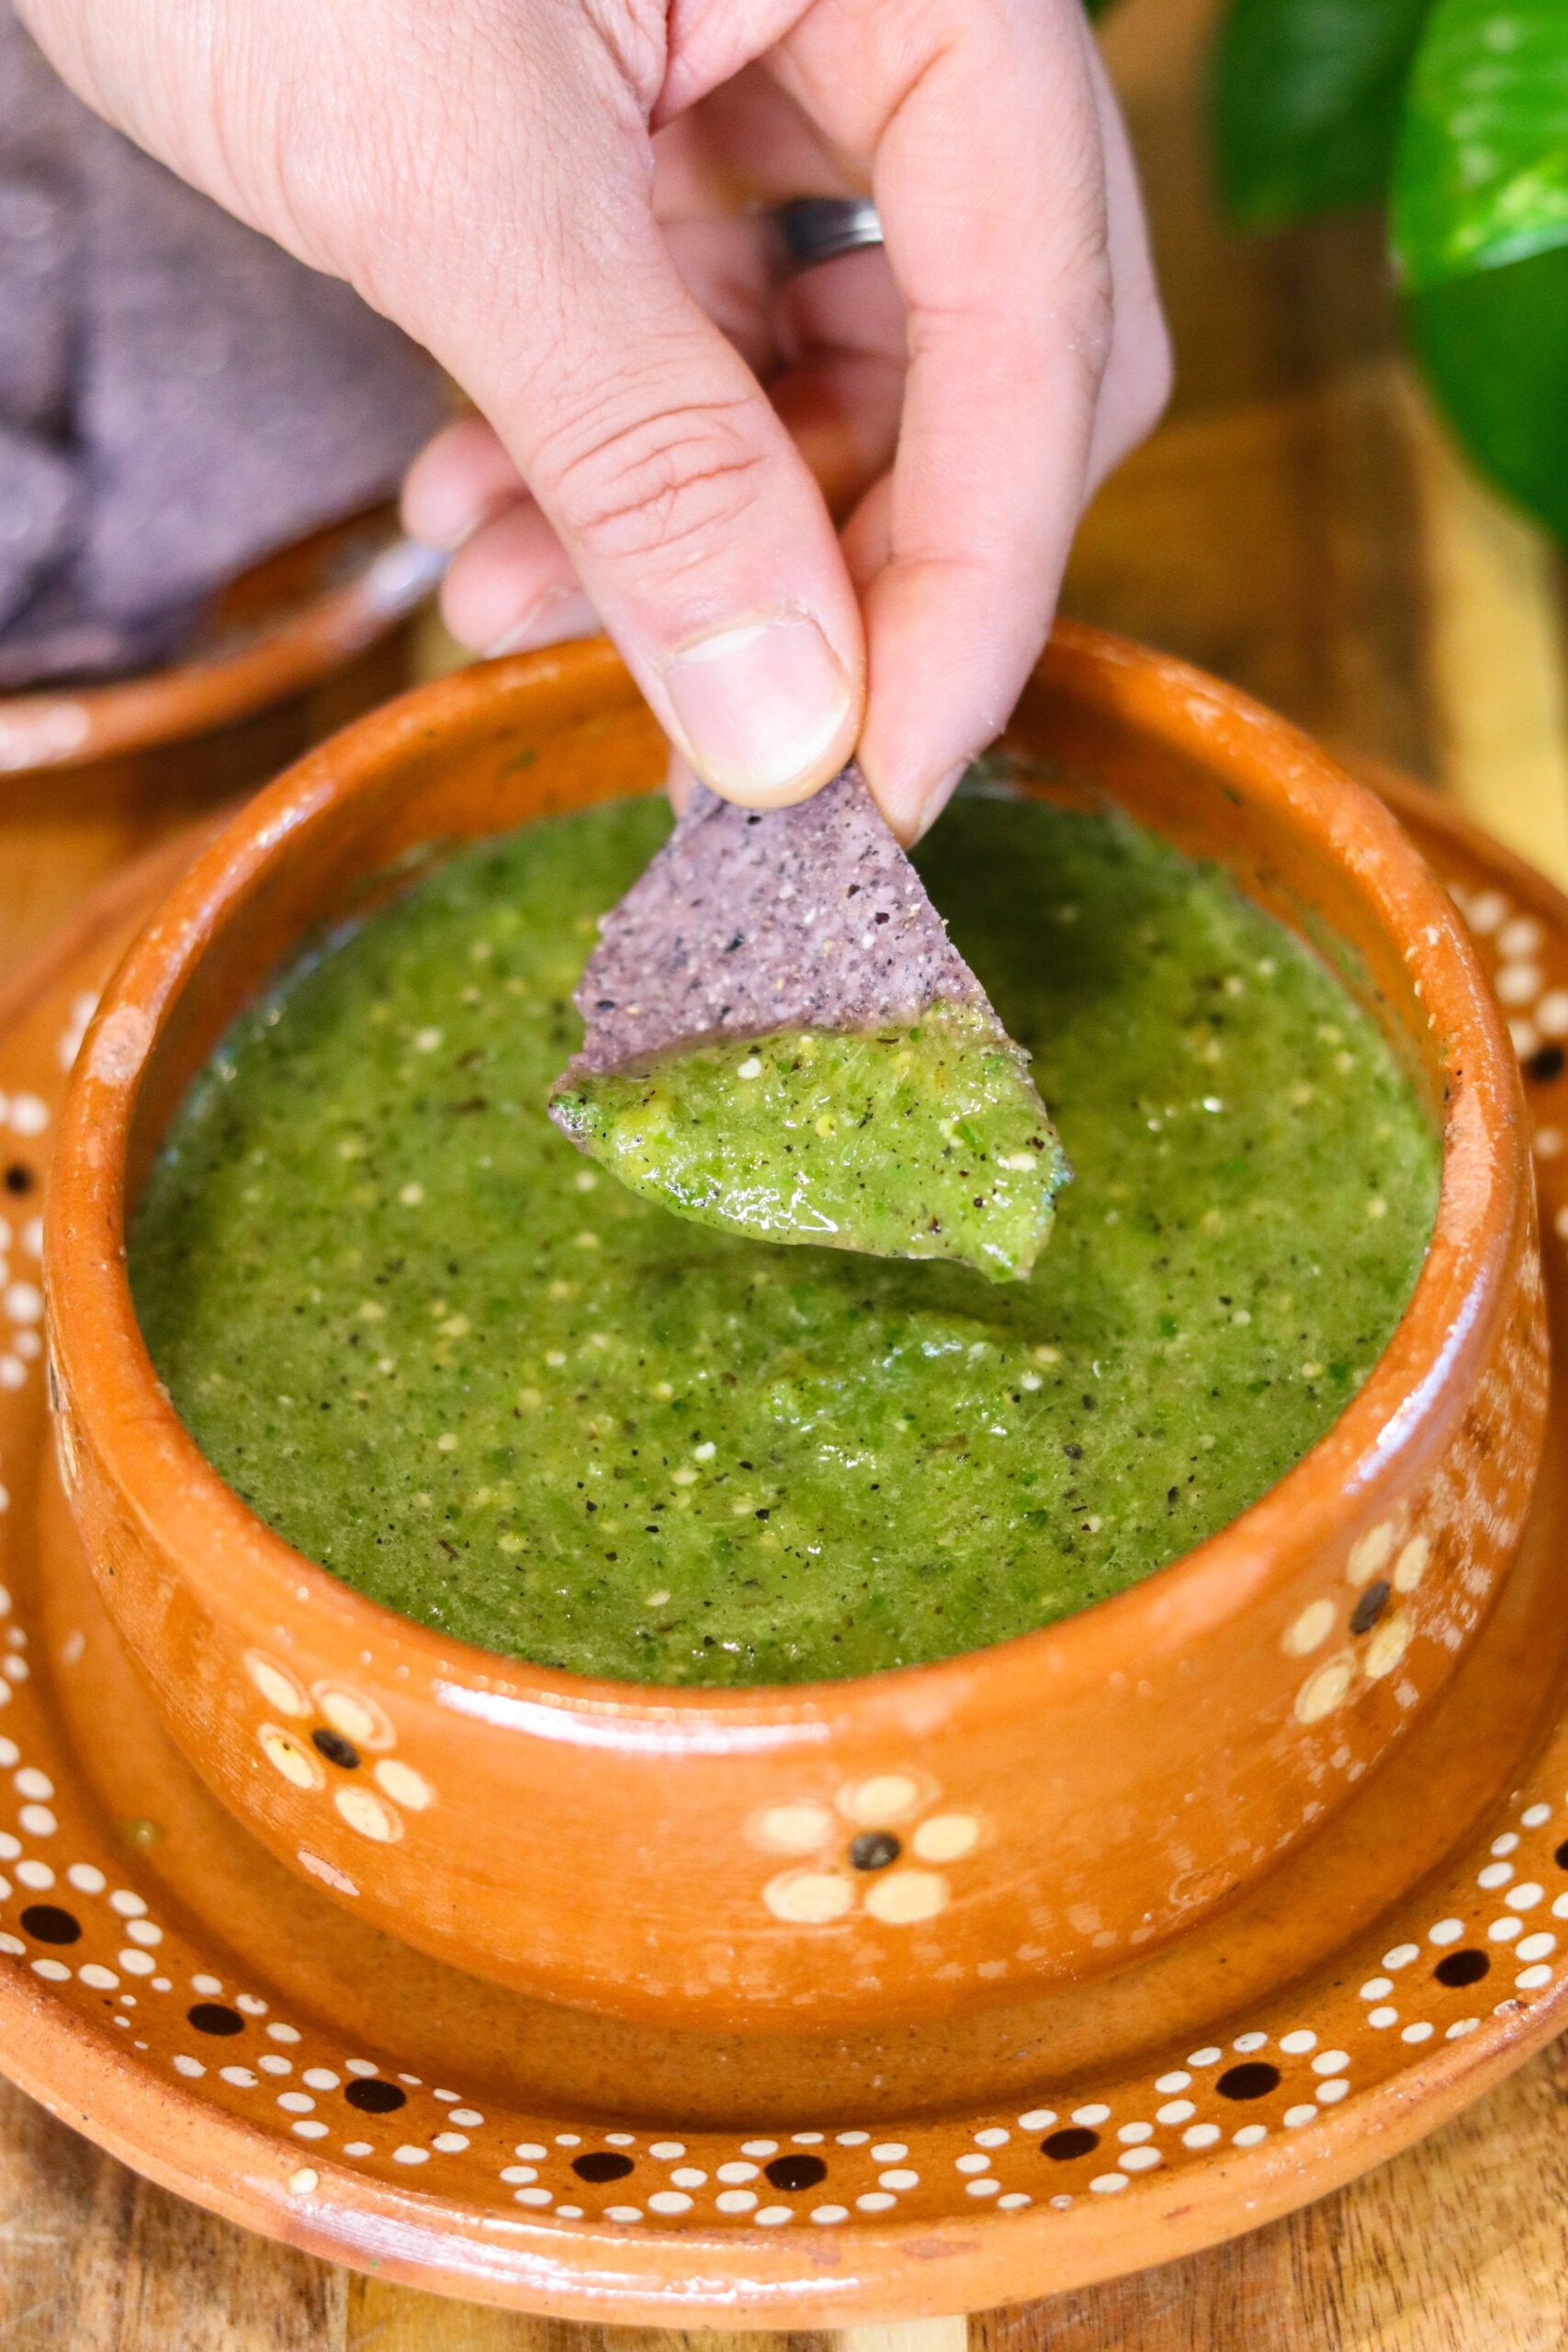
(693, 522)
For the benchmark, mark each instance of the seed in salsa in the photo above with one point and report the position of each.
(448, 1358)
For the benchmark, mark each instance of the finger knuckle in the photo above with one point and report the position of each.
(664, 484)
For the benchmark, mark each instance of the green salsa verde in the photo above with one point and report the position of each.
(491, 1386)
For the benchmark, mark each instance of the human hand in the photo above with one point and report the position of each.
(554, 198)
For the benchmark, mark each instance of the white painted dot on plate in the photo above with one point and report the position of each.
(983, 2187)
(469, 2117)
(689, 2177)
(86, 1878)
(450, 2144)
(625, 2213)
(1518, 983)
(403, 1784)
(793, 1828)
(808, 1898)
(1411, 1564)
(1444, 1931)
(1387, 1645)
(1092, 2116)
(1176, 2110)
(772, 2217)
(240, 2078)
(1037, 2118)
(1106, 2184)
(288, 1755)
(1140, 2159)
(1420, 2031)
(309, 2131)
(101, 1979)
(145, 1931)
(191, 2067)
(1401, 1955)
(1535, 1815)
(740, 2201)
(669, 2152)
(352, 1713)
(1133, 2134)
(287, 2033)
(829, 2215)
(852, 2139)
(1177, 2081)
(1330, 2094)
(612, 2138)
(734, 2171)
(1536, 1947)
(807, 2139)
(1014, 2201)
(876, 2201)
(1296, 2044)
(669, 2200)
(368, 1815)
(972, 2162)
(1210, 2055)
(409, 2154)
(30, 1115)
(946, 1837)
(1245, 2043)
(1503, 1931)
(1295, 2117)
(1370, 1552)
(31, 1782)
(1251, 2135)
(54, 1970)
(903, 1898)
(882, 1797)
(1525, 1897)
(767, 2148)
(38, 1821)
(1310, 1630)
(1331, 2062)
(38, 1875)
(1530, 1980)
(1325, 1689)
(994, 2137)
(135, 1964)
(1381, 2019)
(1460, 2028)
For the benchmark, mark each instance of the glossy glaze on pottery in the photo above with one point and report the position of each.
(1394, 1966)
(1061, 1801)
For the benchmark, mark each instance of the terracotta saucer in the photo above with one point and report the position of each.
(174, 1993)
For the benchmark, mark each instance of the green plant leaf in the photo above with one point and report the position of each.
(1495, 346)
(1305, 102)
(1482, 173)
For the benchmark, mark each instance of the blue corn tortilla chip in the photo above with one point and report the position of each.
(811, 917)
(38, 507)
(230, 399)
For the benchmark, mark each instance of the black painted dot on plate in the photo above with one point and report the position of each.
(874, 1849)
(1076, 2140)
(793, 2173)
(371, 2096)
(601, 2165)
(1545, 1063)
(1560, 1857)
(48, 1923)
(19, 1178)
(1467, 1967)
(215, 2016)
(1254, 2080)
(336, 1749)
(1370, 1607)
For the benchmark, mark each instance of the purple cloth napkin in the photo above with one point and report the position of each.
(179, 397)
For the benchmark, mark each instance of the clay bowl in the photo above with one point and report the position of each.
(1061, 1801)
(295, 648)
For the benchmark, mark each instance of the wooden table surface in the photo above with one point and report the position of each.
(1300, 526)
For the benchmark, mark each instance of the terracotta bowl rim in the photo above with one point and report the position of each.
(1351, 1475)
(48, 729)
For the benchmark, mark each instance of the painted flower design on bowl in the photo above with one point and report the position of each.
(884, 1845)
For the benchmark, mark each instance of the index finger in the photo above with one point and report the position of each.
(979, 121)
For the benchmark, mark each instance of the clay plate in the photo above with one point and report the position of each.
(177, 1994)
